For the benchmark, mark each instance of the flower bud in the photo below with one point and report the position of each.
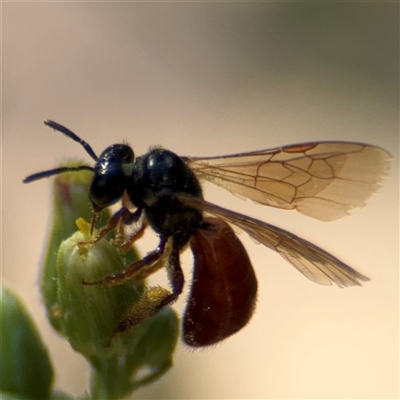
(69, 202)
(88, 315)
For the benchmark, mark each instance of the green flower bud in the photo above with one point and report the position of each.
(26, 371)
(87, 316)
(70, 201)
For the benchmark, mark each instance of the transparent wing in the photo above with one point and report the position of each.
(313, 262)
(323, 180)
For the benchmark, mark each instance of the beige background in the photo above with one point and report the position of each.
(207, 79)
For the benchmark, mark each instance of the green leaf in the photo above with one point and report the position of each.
(26, 371)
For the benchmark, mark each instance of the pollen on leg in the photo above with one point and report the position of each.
(148, 305)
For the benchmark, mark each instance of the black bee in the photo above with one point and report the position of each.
(323, 180)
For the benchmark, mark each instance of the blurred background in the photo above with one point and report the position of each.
(206, 79)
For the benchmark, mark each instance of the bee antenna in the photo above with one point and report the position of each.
(73, 136)
(55, 171)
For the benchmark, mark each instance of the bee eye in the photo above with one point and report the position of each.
(106, 189)
(109, 181)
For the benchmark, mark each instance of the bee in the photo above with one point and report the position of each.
(322, 180)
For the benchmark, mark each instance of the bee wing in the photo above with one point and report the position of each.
(323, 180)
(313, 262)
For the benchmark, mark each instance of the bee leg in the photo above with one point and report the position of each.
(175, 276)
(125, 242)
(122, 215)
(154, 299)
(134, 269)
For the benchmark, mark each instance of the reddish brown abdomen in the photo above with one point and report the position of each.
(224, 285)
